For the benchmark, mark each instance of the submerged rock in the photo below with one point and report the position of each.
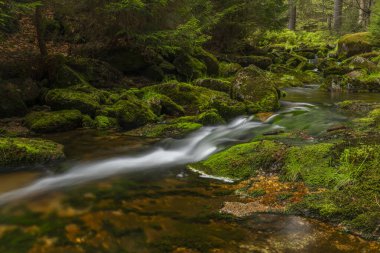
(15, 152)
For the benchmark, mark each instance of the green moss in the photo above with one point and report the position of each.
(244, 160)
(171, 129)
(353, 44)
(60, 99)
(255, 86)
(189, 67)
(45, 122)
(214, 84)
(210, 118)
(130, 113)
(259, 61)
(212, 64)
(28, 152)
(103, 122)
(196, 99)
(162, 104)
(229, 69)
(311, 164)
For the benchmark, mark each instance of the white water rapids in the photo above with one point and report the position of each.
(195, 147)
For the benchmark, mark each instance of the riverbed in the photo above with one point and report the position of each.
(120, 193)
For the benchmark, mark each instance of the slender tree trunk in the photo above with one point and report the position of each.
(292, 15)
(40, 31)
(338, 11)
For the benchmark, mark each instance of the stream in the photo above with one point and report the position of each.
(119, 193)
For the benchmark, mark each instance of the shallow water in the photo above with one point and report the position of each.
(128, 194)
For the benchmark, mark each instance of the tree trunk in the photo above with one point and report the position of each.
(292, 15)
(338, 11)
(40, 33)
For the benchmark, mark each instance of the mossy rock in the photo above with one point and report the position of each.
(161, 104)
(214, 84)
(154, 73)
(244, 160)
(196, 99)
(262, 62)
(58, 121)
(170, 129)
(98, 73)
(358, 107)
(189, 67)
(229, 69)
(353, 44)
(103, 122)
(211, 62)
(131, 113)
(255, 86)
(127, 60)
(210, 118)
(11, 102)
(61, 99)
(19, 152)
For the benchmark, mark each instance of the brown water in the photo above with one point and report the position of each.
(156, 210)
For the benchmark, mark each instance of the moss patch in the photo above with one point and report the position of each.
(61, 99)
(28, 152)
(244, 160)
(46, 122)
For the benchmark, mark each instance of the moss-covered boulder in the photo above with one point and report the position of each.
(171, 129)
(196, 99)
(259, 61)
(214, 84)
(211, 62)
(11, 102)
(127, 60)
(161, 104)
(189, 67)
(229, 69)
(17, 152)
(254, 85)
(57, 121)
(353, 44)
(210, 118)
(244, 160)
(130, 112)
(98, 73)
(61, 99)
(103, 122)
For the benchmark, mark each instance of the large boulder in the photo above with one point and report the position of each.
(58, 121)
(259, 61)
(211, 62)
(353, 44)
(130, 112)
(67, 99)
(214, 84)
(253, 85)
(196, 99)
(16, 152)
(189, 67)
(98, 73)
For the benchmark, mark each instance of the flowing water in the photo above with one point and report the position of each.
(119, 193)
